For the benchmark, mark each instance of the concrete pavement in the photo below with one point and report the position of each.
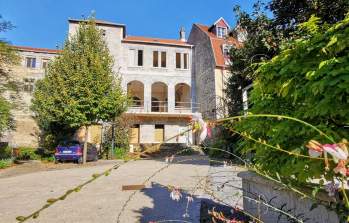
(102, 200)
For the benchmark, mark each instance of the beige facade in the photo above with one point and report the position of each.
(211, 66)
(156, 73)
(31, 68)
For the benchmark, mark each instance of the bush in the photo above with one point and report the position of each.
(308, 81)
(28, 154)
(120, 153)
(5, 152)
(5, 163)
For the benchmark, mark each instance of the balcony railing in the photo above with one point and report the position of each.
(139, 106)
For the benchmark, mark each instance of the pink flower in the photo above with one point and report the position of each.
(315, 148)
(176, 194)
(201, 125)
(335, 151)
(341, 168)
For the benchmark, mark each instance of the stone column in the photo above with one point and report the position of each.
(147, 97)
(171, 97)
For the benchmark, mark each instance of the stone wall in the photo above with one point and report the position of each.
(257, 187)
(203, 72)
(26, 132)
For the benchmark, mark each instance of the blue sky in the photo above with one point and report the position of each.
(43, 23)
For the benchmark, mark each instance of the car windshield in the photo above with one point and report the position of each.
(69, 143)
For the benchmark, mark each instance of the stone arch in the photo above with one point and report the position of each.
(182, 95)
(135, 91)
(159, 97)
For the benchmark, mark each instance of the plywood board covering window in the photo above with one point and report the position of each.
(134, 134)
(159, 133)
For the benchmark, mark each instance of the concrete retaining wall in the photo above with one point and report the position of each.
(257, 187)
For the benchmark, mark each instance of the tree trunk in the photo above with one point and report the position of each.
(84, 155)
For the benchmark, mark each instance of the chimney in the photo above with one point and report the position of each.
(182, 34)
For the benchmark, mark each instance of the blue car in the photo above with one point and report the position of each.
(73, 150)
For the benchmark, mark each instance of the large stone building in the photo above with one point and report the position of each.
(211, 65)
(32, 67)
(155, 73)
(167, 79)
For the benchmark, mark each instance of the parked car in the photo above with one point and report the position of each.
(73, 150)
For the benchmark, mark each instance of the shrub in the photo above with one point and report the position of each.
(120, 153)
(4, 163)
(28, 154)
(5, 152)
(308, 81)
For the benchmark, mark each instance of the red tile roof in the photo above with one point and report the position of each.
(217, 44)
(37, 50)
(141, 39)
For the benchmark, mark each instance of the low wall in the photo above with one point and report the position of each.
(257, 187)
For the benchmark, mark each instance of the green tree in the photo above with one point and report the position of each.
(8, 58)
(288, 14)
(80, 88)
(266, 36)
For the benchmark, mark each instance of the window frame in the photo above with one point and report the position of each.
(32, 62)
(163, 65)
(156, 59)
(180, 60)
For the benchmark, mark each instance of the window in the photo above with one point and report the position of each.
(155, 58)
(31, 62)
(182, 60)
(44, 63)
(163, 59)
(159, 133)
(185, 57)
(178, 61)
(135, 57)
(140, 58)
(28, 84)
(103, 32)
(221, 32)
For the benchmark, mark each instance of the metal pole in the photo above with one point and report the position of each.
(112, 139)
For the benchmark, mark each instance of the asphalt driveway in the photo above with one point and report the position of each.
(103, 199)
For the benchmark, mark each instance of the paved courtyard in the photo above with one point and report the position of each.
(102, 200)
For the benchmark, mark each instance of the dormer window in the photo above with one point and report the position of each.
(221, 32)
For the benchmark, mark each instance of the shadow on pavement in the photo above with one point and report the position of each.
(164, 208)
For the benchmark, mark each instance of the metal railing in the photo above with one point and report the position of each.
(162, 106)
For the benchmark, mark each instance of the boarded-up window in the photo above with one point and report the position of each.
(163, 59)
(159, 133)
(131, 57)
(134, 134)
(155, 58)
(178, 60)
